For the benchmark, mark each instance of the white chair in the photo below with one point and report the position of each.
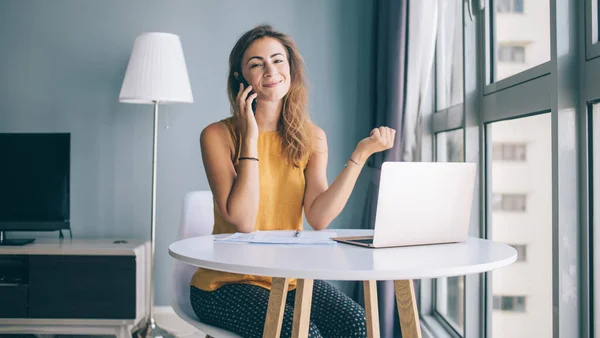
(196, 220)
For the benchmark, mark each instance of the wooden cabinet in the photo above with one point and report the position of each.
(73, 286)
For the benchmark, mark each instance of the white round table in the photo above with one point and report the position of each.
(343, 262)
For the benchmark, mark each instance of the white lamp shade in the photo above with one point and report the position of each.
(156, 71)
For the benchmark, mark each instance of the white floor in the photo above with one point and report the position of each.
(167, 319)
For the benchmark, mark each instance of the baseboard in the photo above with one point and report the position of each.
(164, 315)
(169, 320)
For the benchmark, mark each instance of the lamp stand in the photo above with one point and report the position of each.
(148, 327)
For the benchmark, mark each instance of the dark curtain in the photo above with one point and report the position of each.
(390, 56)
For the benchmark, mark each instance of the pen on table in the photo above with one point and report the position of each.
(297, 233)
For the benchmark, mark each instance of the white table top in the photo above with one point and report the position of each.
(345, 262)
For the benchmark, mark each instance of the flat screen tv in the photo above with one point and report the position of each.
(34, 183)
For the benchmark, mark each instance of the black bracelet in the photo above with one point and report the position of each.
(353, 161)
(248, 158)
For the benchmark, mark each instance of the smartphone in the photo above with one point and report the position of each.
(242, 80)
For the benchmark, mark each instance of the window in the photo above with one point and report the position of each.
(509, 53)
(518, 6)
(509, 202)
(592, 31)
(450, 292)
(521, 252)
(595, 206)
(517, 218)
(509, 34)
(507, 6)
(449, 55)
(509, 303)
(509, 152)
(515, 49)
(449, 146)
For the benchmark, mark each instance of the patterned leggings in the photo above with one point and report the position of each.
(242, 309)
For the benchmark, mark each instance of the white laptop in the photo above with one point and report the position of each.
(421, 203)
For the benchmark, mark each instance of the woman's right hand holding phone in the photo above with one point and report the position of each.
(245, 115)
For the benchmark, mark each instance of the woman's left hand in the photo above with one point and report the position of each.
(381, 139)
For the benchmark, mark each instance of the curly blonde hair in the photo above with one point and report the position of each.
(295, 126)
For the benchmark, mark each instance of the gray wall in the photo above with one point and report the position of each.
(63, 63)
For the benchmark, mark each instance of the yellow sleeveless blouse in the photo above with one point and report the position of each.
(280, 206)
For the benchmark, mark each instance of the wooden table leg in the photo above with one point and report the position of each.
(371, 308)
(407, 308)
(276, 308)
(302, 305)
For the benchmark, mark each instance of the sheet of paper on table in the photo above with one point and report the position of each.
(281, 237)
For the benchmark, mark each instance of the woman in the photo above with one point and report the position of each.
(264, 166)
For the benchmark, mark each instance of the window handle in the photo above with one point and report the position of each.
(470, 9)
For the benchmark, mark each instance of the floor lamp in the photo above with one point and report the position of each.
(156, 73)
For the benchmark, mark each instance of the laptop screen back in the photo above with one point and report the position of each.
(423, 203)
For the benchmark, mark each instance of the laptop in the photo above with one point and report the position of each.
(421, 203)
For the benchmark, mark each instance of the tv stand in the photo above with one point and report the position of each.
(80, 286)
(14, 241)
